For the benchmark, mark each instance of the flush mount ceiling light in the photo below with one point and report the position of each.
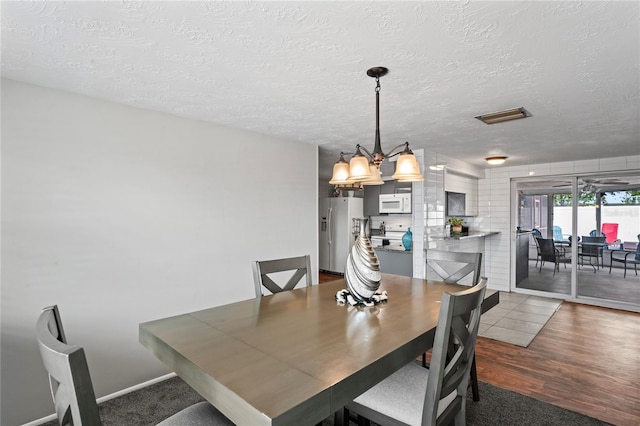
(495, 160)
(507, 115)
(365, 170)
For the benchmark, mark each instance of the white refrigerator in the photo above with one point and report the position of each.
(336, 231)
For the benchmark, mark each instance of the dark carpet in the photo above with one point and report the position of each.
(496, 407)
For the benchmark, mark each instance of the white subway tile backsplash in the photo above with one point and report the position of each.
(562, 167)
(633, 162)
(584, 166)
(540, 169)
(519, 171)
(610, 164)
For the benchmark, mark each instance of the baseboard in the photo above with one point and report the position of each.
(110, 396)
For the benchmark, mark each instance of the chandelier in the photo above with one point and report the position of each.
(365, 170)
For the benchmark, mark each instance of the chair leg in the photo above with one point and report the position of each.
(474, 380)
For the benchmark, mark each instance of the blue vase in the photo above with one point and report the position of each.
(407, 238)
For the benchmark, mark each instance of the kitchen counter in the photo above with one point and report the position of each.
(393, 250)
(395, 261)
(473, 234)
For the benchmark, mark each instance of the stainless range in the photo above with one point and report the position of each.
(392, 238)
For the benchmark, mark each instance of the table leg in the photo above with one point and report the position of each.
(339, 418)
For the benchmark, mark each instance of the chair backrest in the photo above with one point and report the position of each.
(591, 246)
(547, 249)
(262, 268)
(452, 266)
(633, 246)
(536, 232)
(450, 370)
(69, 378)
(610, 230)
(557, 233)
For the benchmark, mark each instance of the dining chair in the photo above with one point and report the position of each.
(627, 257)
(550, 253)
(71, 386)
(436, 396)
(301, 266)
(453, 267)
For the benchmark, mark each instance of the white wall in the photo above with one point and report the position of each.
(494, 206)
(120, 216)
(627, 218)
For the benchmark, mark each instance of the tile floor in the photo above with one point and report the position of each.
(518, 318)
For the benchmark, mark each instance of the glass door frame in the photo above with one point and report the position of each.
(574, 248)
(572, 296)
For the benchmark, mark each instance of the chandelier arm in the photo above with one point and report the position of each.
(391, 153)
(370, 155)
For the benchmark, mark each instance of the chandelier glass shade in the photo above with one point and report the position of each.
(364, 169)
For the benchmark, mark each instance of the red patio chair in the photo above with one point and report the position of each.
(610, 230)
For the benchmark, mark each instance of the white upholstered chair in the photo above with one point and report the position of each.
(72, 389)
(415, 395)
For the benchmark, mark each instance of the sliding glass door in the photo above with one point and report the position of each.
(543, 240)
(586, 261)
(609, 227)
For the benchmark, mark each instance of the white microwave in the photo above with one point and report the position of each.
(395, 203)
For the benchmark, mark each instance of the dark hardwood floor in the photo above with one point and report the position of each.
(585, 359)
(323, 277)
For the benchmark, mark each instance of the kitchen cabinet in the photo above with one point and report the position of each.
(394, 187)
(395, 262)
(371, 195)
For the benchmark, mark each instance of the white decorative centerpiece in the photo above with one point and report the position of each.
(362, 272)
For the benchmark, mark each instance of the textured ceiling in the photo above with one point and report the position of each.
(297, 70)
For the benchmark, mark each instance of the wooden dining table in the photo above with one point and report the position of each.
(296, 357)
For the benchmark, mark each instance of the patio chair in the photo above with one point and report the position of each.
(610, 230)
(557, 233)
(627, 257)
(550, 253)
(592, 247)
